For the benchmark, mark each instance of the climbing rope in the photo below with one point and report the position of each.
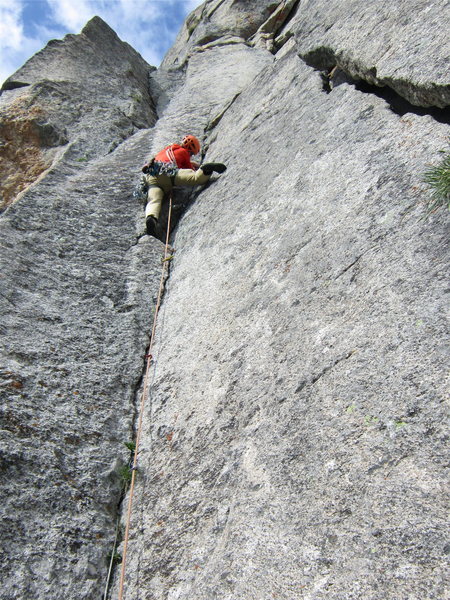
(144, 397)
(111, 560)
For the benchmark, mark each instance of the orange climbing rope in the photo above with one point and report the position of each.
(142, 404)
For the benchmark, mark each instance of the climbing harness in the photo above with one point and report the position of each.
(144, 397)
(156, 168)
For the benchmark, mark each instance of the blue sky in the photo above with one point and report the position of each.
(150, 26)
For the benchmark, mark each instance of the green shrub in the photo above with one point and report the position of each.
(438, 179)
(125, 474)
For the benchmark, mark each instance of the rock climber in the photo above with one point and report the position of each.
(170, 168)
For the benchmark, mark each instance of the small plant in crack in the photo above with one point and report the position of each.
(438, 179)
(126, 471)
(114, 557)
(126, 474)
(131, 446)
(136, 96)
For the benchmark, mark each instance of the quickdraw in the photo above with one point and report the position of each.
(141, 189)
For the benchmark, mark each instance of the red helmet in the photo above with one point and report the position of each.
(191, 143)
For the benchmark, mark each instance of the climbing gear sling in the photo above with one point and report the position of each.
(156, 167)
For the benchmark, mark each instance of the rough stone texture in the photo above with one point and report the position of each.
(294, 437)
(294, 442)
(27, 146)
(197, 106)
(403, 45)
(220, 22)
(77, 290)
(89, 89)
(76, 305)
(78, 284)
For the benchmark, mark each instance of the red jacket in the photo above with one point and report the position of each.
(182, 156)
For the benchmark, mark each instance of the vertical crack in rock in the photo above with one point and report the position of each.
(258, 402)
(306, 168)
(292, 11)
(78, 291)
(216, 120)
(138, 391)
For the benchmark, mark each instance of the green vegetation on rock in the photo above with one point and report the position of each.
(438, 179)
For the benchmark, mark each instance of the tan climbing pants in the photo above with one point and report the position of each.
(162, 184)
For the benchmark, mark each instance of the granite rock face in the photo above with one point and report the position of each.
(76, 299)
(78, 282)
(293, 445)
(294, 437)
(402, 45)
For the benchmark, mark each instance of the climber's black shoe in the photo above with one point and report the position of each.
(209, 168)
(151, 223)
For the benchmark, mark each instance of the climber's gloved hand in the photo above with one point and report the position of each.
(210, 168)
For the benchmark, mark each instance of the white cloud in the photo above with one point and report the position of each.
(11, 29)
(15, 46)
(69, 14)
(191, 4)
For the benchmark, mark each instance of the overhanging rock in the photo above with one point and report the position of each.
(402, 45)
